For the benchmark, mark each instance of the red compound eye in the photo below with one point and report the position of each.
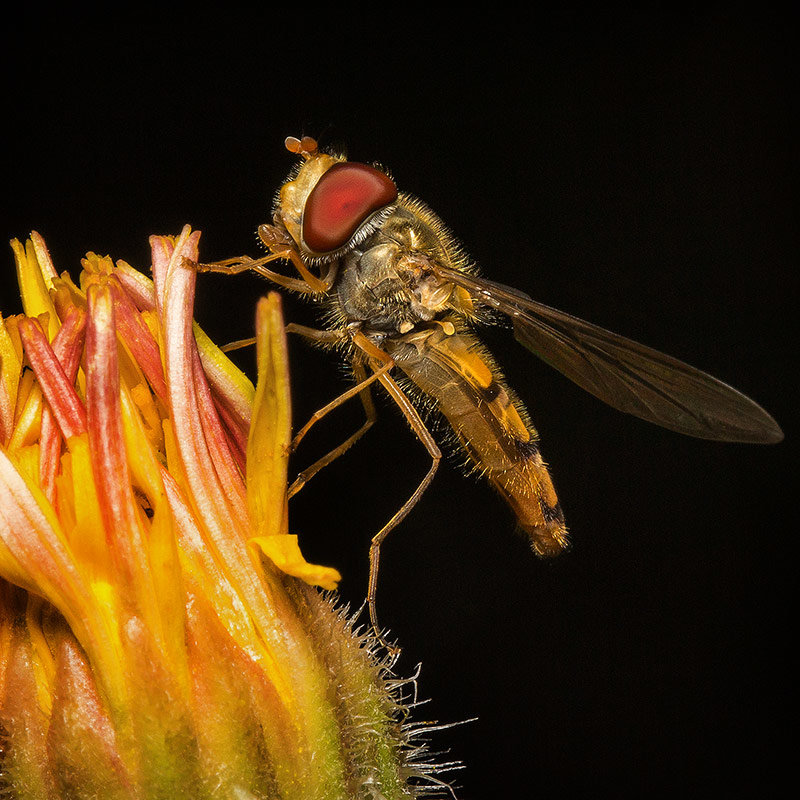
(342, 200)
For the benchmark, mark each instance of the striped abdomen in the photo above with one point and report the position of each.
(491, 426)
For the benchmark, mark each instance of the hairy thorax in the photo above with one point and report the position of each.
(388, 283)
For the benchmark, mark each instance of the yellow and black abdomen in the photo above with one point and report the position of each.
(490, 424)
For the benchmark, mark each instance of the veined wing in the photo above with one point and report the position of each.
(625, 374)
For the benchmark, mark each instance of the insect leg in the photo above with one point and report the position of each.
(361, 388)
(327, 337)
(233, 266)
(369, 409)
(238, 344)
(281, 246)
(424, 435)
(342, 398)
(315, 335)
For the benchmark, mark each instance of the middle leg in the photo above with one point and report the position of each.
(363, 388)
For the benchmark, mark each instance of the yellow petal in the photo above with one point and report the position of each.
(270, 425)
(33, 285)
(284, 551)
(10, 367)
(221, 370)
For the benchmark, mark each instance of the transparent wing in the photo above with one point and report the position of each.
(625, 374)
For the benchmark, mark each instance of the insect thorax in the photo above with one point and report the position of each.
(387, 282)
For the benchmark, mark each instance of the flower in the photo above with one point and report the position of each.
(161, 634)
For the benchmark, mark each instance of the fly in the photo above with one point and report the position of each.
(401, 300)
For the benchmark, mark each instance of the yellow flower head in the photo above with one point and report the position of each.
(159, 633)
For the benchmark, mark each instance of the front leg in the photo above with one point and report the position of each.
(277, 240)
(281, 247)
(233, 266)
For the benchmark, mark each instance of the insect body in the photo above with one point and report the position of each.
(390, 286)
(402, 300)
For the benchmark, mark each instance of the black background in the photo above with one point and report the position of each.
(636, 169)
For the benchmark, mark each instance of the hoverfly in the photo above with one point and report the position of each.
(401, 299)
